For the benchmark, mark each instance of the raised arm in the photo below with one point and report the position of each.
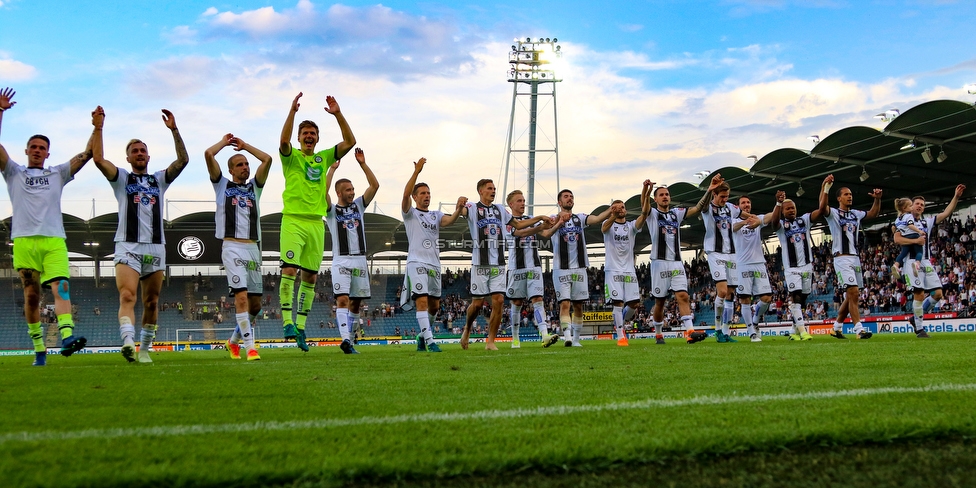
(824, 189)
(450, 219)
(98, 154)
(6, 101)
(645, 204)
(876, 207)
(79, 160)
(753, 222)
(598, 218)
(529, 223)
(608, 222)
(374, 184)
(951, 207)
(707, 197)
(824, 195)
(177, 166)
(561, 219)
(777, 209)
(418, 166)
(328, 184)
(348, 140)
(261, 174)
(284, 147)
(210, 155)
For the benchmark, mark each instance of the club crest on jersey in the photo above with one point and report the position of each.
(144, 199)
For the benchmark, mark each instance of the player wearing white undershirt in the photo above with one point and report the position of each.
(844, 222)
(719, 247)
(752, 276)
(621, 288)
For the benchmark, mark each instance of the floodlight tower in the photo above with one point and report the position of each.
(531, 64)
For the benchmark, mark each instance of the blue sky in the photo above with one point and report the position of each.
(656, 90)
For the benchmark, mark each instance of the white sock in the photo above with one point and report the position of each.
(763, 307)
(798, 323)
(629, 313)
(918, 308)
(658, 327)
(539, 314)
(858, 328)
(147, 335)
(126, 330)
(618, 322)
(577, 327)
(688, 322)
(351, 325)
(423, 322)
(719, 312)
(747, 317)
(838, 326)
(342, 320)
(567, 330)
(235, 337)
(244, 324)
(928, 303)
(516, 315)
(729, 311)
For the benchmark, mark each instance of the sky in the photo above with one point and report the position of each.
(656, 90)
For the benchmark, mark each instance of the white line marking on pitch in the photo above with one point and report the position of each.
(181, 430)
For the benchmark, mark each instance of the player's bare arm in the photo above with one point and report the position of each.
(98, 153)
(557, 223)
(529, 223)
(374, 184)
(79, 160)
(210, 155)
(645, 204)
(285, 142)
(261, 175)
(177, 166)
(706, 198)
(752, 222)
(6, 102)
(816, 214)
(450, 219)
(951, 207)
(774, 216)
(418, 166)
(608, 222)
(328, 184)
(876, 206)
(598, 218)
(348, 139)
(824, 207)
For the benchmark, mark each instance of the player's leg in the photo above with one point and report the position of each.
(422, 302)
(434, 305)
(252, 311)
(306, 295)
(355, 305)
(241, 320)
(54, 272)
(32, 312)
(151, 286)
(470, 316)
(515, 315)
(342, 310)
(918, 312)
(617, 312)
(291, 241)
(127, 283)
(745, 304)
(566, 320)
(495, 320)
(657, 318)
(687, 318)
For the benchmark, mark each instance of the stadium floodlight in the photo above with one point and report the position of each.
(927, 155)
(971, 88)
(910, 145)
(799, 190)
(754, 158)
(815, 139)
(888, 115)
(942, 155)
(864, 175)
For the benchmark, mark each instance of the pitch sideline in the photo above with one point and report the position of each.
(181, 430)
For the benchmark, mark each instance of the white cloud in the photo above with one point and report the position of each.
(181, 35)
(13, 70)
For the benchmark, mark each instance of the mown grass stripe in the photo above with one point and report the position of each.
(183, 430)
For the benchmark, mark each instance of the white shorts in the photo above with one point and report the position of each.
(753, 280)
(571, 284)
(926, 278)
(667, 276)
(146, 259)
(621, 286)
(486, 280)
(242, 261)
(799, 279)
(421, 280)
(525, 283)
(350, 276)
(720, 265)
(848, 269)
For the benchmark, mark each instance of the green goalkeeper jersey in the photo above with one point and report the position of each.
(304, 194)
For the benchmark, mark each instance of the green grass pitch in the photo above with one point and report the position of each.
(892, 410)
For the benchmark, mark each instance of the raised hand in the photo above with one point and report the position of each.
(98, 117)
(418, 165)
(360, 156)
(649, 184)
(716, 181)
(959, 190)
(780, 196)
(829, 180)
(236, 142)
(876, 193)
(169, 119)
(462, 201)
(332, 105)
(335, 165)
(6, 98)
(294, 103)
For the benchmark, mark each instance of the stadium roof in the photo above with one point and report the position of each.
(927, 151)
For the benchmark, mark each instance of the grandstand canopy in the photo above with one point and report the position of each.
(893, 159)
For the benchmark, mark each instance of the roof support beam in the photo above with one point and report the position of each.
(954, 142)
